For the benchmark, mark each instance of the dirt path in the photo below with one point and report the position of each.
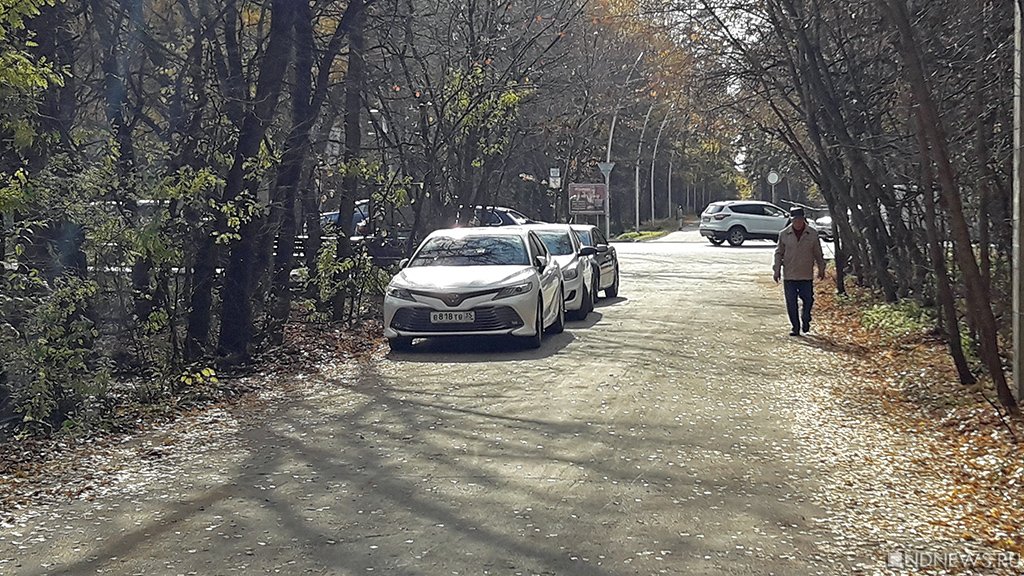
(662, 436)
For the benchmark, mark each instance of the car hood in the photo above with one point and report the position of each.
(441, 278)
(565, 260)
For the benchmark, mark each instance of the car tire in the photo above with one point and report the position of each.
(400, 344)
(586, 307)
(559, 326)
(737, 236)
(613, 290)
(716, 241)
(534, 342)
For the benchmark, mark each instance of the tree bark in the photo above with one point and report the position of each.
(978, 301)
(355, 88)
(947, 302)
(236, 302)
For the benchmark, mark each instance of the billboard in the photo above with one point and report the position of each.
(587, 198)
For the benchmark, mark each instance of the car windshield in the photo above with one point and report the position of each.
(558, 243)
(584, 237)
(472, 251)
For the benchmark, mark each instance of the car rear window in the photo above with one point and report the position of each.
(558, 243)
(584, 237)
(714, 208)
(472, 251)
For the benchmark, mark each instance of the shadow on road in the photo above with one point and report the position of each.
(606, 302)
(469, 349)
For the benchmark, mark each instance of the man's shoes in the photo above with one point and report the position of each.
(807, 327)
(795, 332)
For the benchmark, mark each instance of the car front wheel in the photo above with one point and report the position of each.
(559, 326)
(534, 342)
(613, 290)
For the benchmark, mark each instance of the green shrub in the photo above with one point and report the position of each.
(50, 372)
(899, 319)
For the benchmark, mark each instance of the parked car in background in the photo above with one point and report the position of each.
(579, 272)
(825, 228)
(606, 260)
(493, 216)
(476, 281)
(736, 221)
(384, 238)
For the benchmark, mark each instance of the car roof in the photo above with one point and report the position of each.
(544, 226)
(479, 231)
(732, 202)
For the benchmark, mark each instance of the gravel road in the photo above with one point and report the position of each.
(657, 437)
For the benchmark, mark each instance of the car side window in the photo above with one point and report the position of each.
(599, 237)
(749, 209)
(537, 247)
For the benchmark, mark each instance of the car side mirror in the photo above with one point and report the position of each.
(541, 262)
(588, 251)
(403, 263)
(602, 248)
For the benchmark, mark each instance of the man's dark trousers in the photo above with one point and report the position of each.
(804, 290)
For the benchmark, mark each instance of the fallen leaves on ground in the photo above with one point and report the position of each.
(66, 467)
(957, 459)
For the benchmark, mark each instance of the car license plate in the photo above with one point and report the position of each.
(452, 317)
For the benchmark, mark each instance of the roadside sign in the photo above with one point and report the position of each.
(587, 198)
(555, 173)
(606, 168)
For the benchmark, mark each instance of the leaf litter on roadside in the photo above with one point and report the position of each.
(913, 461)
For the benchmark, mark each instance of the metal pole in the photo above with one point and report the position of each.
(639, 151)
(608, 153)
(668, 199)
(1018, 203)
(654, 158)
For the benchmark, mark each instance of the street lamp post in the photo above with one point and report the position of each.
(1018, 203)
(639, 151)
(654, 158)
(773, 179)
(606, 171)
(608, 154)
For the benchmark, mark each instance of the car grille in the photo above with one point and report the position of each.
(487, 319)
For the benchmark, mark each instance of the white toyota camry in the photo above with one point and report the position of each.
(476, 281)
(578, 271)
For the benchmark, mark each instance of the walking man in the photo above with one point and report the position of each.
(798, 251)
(679, 215)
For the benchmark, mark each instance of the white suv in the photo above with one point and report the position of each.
(737, 221)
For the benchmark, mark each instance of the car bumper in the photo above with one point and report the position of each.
(713, 233)
(574, 293)
(508, 316)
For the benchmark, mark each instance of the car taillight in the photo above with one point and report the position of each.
(721, 216)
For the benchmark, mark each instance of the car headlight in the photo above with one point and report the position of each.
(517, 290)
(400, 293)
(570, 274)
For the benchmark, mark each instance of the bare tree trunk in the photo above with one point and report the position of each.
(355, 88)
(978, 301)
(236, 303)
(947, 301)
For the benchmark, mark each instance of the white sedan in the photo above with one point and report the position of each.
(476, 281)
(578, 271)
